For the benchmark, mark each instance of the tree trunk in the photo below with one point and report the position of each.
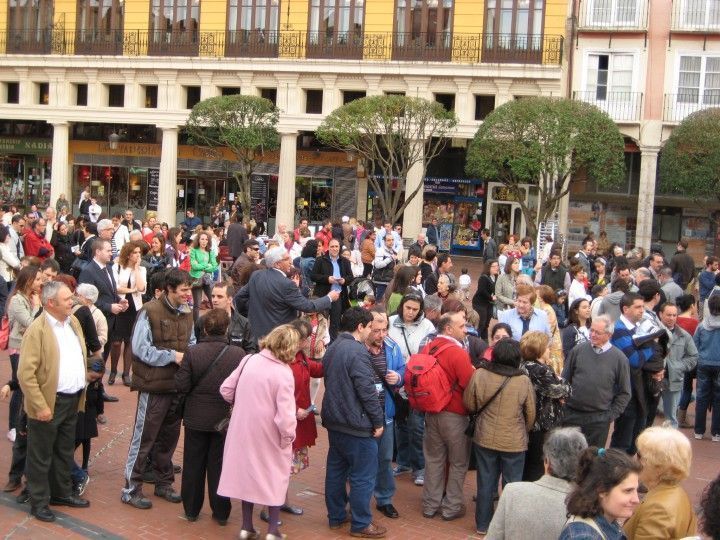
(243, 194)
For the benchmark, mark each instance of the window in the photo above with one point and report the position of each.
(699, 80)
(174, 27)
(446, 100)
(699, 14)
(339, 21)
(13, 92)
(394, 93)
(514, 24)
(192, 96)
(484, 105)
(352, 95)
(29, 26)
(43, 93)
(613, 13)
(229, 90)
(151, 96)
(259, 17)
(269, 93)
(81, 94)
(313, 101)
(428, 22)
(609, 76)
(116, 95)
(99, 27)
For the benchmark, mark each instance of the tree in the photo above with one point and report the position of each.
(244, 124)
(690, 160)
(546, 142)
(391, 135)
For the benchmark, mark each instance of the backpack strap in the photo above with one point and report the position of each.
(590, 522)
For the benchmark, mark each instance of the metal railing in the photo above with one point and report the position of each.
(620, 106)
(613, 15)
(677, 107)
(423, 47)
(695, 16)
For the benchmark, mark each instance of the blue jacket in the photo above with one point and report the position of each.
(707, 339)
(396, 363)
(351, 403)
(707, 283)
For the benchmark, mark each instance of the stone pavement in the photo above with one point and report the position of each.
(107, 517)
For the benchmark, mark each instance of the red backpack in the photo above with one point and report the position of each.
(426, 382)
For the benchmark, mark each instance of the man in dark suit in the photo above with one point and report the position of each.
(236, 237)
(272, 299)
(99, 273)
(332, 272)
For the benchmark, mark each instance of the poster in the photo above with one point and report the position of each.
(258, 197)
(445, 236)
(153, 189)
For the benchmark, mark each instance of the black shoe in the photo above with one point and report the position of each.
(43, 514)
(266, 517)
(109, 398)
(111, 378)
(220, 521)
(23, 498)
(72, 501)
(388, 510)
(191, 519)
(138, 501)
(126, 379)
(290, 509)
(12, 485)
(177, 469)
(169, 494)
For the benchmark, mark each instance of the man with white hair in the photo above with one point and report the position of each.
(50, 221)
(271, 299)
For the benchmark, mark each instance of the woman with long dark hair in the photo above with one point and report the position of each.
(173, 250)
(484, 299)
(402, 284)
(578, 329)
(62, 242)
(505, 285)
(202, 267)
(309, 253)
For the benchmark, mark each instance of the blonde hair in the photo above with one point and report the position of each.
(533, 345)
(665, 453)
(283, 342)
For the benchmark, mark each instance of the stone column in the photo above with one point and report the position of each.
(331, 95)
(286, 180)
(167, 191)
(412, 216)
(646, 196)
(60, 180)
(362, 195)
(463, 100)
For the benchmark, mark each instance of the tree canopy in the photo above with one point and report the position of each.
(244, 124)
(690, 160)
(546, 142)
(391, 135)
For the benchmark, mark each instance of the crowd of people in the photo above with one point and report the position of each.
(231, 333)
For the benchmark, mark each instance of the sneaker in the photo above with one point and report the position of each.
(419, 480)
(716, 438)
(698, 436)
(11, 435)
(80, 487)
(401, 469)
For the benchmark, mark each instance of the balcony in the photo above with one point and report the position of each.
(169, 43)
(29, 42)
(695, 16)
(340, 45)
(620, 106)
(679, 106)
(422, 46)
(249, 43)
(99, 42)
(613, 15)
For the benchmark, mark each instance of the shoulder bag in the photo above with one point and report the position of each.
(470, 431)
(181, 406)
(222, 425)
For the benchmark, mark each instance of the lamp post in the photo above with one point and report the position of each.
(113, 140)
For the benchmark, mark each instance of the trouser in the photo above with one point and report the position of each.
(445, 445)
(50, 448)
(19, 455)
(628, 426)
(17, 395)
(197, 293)
(203, 456)
(157, 429)
(490, 465)
(384, 480)
(485, 314)
(686, 396)
(670, 400)
(708, 393)
(652, 408)
(409, 441)
(594, 425)
(379, 291)
(534, 467)
(335, 314)
(354, 459)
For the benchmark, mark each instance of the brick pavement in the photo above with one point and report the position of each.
(107, 517)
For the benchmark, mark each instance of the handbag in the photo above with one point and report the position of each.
(4, 332)
(470, 431)
(222, 425)
(181, 404)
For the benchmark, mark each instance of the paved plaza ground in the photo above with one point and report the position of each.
(107, 517)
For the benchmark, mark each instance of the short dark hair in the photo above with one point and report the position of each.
(176, 277)
(599, 471)
(714, 305)
(156, 281)
(628, 299)
(685, 301)
(665, 305)
(709, 261)
(442, 259)
(486, 232)
(430, 255)
(52, 264)
(507, 352)
(229, 287)
(710, 509)
(247, 244)
(216, 322)
(683, 243)
(502, 326)
(353, 318)
(648, 288)
(16, 218)
(620, 285)
(303, 327)
(98, 244)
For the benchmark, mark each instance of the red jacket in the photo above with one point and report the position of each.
(456, 362)
(37, 246)
(303, 368)
(324, 239)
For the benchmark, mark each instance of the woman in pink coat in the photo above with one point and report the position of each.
(258, 446)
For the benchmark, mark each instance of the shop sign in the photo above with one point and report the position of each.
(258, 197)
(437, 187)
(16, 145)
(153, 189)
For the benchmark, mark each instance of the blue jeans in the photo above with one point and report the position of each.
(17, 396)
(380, 291)
(686, 396)
(355, 459)
(708, 391)
(670, 401)
(409, 441)
(490, 465)
(385, 481)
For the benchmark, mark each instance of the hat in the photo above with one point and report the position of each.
(561, 292)
(345, 219)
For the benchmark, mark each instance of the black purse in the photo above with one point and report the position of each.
(470, 431)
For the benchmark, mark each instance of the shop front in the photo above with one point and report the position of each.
(25, 171)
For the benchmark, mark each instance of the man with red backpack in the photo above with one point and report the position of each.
(445, 370)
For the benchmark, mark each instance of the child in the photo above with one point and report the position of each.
(464, 282)
(368, 301)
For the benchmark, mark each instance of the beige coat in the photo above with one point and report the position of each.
(504, 425)
(666, 512)
(38, 370)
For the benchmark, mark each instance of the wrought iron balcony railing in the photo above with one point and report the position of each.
(620, 106)
(678, 106)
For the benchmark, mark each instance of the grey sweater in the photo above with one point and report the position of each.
(600, 382)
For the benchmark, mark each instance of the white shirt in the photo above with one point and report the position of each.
(95, 210)
(464, 281)
(71, 364)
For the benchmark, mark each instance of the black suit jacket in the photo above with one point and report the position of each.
(272, 299)
(321, 272)
(107, 295)
(236, 237)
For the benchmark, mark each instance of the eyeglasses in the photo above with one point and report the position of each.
(257, 248)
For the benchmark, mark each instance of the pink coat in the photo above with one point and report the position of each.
(258, 446)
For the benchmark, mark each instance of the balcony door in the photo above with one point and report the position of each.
(613, 14)
(99, 27)
(699, 14)
(698, 85)
(513, 31)
(29, 26)
(174, 28)
(335, 29)
(252, 28)
(423, 30)
(609, 85)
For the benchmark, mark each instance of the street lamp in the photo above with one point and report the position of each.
(113, 139)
